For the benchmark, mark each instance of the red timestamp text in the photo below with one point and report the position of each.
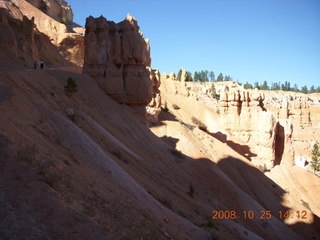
(263, 214)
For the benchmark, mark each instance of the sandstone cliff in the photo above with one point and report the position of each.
(66, 35)
(60, 10)
(118, 57)
(22, 43)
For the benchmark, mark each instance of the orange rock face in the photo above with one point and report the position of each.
(245, 119)
(118, 57)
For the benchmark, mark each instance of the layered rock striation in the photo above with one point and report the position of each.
(245, 119)
(118, 57)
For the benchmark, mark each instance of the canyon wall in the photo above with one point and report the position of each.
(57, 9)
(117, 56)
(268, 127)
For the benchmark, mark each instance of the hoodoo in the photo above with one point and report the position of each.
(117, 56)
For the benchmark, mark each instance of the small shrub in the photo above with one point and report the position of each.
(175, 107)
(263, 168)
(315, 162)
(213, 91)
(165, 108)
(188, 126)
(71, 86)
(305, 204)
(64, 21)
(199, 124)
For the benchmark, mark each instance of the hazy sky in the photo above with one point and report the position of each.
(250, 40)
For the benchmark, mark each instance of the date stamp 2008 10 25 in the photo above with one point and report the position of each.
(263, 214)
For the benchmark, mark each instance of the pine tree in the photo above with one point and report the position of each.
(220, 77)
(227, 78)
(247, 86)
(304, 89)
(315, 162)
(189, 77)
(265, 86)
(212, 76)
(312, 89)
(71, 86)
(196, 77)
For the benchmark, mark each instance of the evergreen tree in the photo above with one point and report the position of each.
(196, 76)
(304, 89)
(220, 77)
(71, 86)
(275, 86)
(213, 91)
(227, 78)
(247, 86)
(265, 86)
(312, 89)
(179, 74)
(295, 88)
(189, 77)
(315, 162)
(256, 85)
(212, 76)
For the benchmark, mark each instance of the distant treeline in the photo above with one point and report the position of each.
(209, 76)
(284, 87)
(204, 76)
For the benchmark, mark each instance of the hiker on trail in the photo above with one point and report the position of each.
(35, 65)
(41, 64)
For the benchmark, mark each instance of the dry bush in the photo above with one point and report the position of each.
(199, 124)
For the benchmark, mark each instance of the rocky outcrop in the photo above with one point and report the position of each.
(21, 43)
(246, 120)
(297, 111)
(154, 107)
(18, 35)
(118, 57)
(60, 10)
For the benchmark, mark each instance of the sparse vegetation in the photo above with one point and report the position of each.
(175, 107)
(306, 205)
(165, 108)
(71, 86)
(188, 126)
(315, 160)
(263, 168)
(213, 91)
(64, 21)
(199, 124)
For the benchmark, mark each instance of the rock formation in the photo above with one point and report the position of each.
(244, 118)
(154, 107)
(118, 57)
(23, 40)
(60, 10)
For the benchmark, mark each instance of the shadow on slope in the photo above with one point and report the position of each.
(270, 195)
(243, 150)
